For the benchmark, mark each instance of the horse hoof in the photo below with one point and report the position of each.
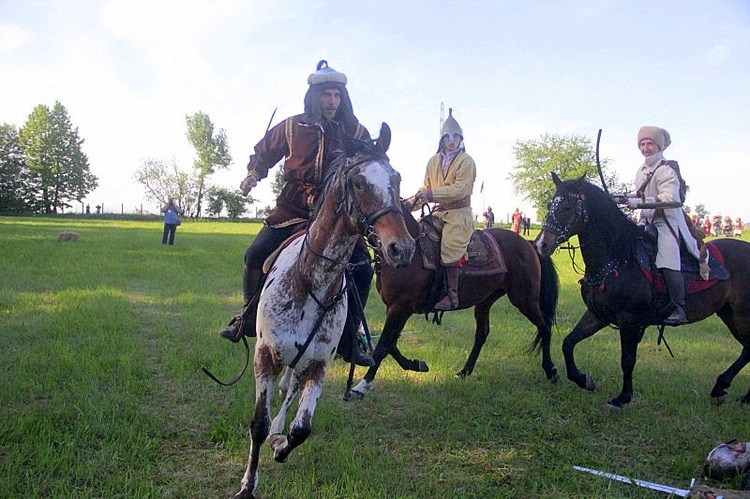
(244, 493)
(613, 408)
(461, 374)
(356, 394)
(279, 444)
(554, 378)
(590, 384)
(719, 400)
(421, 366)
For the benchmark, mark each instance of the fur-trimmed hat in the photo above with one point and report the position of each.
(451, 125)
(658, 135)
(325, 74)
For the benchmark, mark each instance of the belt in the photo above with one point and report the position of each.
(454, 205)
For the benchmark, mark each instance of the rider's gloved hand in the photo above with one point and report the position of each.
(424, 195)
(248, 183)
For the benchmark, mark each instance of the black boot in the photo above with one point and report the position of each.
(676, 288)
(361, 358)
(450, 300)
(244, 323)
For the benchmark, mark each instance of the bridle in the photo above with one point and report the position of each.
(555, 226)
(365, 223)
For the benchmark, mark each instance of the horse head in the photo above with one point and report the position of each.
(368, 189)
(578, 207)
(566, 214)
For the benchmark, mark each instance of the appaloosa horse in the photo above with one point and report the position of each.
(530, 282)
(617, 290)
(303, 304)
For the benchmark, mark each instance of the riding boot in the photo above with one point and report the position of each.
(450, 300)
(676, 288)
(244, 323)
(361, 358)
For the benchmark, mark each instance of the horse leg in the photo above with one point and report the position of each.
(587, 325)
(630, 336)
(738, 325)
(260, 424)
(543, 339)
(311, 381)
(719, 391)
(388, 345)
(482, 320)
(276, 437)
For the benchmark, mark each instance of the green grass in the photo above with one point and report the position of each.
(102, 394)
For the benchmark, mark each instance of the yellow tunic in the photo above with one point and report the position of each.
(455, 184)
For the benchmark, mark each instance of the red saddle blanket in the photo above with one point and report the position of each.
(717, 272)
(484, 253)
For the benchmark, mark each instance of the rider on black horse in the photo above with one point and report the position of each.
(657, 182)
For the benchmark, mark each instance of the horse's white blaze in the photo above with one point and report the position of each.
(379, 176)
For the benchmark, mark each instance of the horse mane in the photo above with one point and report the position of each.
(335, 177)
(609, 221)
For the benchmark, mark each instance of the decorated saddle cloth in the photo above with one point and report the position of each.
(645, 253)
(484, 253)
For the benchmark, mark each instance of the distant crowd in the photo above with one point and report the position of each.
(719, 226)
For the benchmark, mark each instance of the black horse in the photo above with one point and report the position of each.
(617, 291)
(530, 282)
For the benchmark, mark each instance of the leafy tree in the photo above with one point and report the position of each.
(701, 210)
(211, 148)
(15, 195)
(164, 181)
(278, 181)
(58, 168)
(235, 203)
(569, 156)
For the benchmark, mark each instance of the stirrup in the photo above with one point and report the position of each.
(233, 330)
(677, 317)
(446, 303)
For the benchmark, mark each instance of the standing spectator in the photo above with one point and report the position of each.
(172, 214)
(515, 221)
(738, 227)
(489, 218)
(706, 227)
(726, 225)
(716, 225)
(526, 225)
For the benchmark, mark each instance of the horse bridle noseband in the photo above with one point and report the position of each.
(553, 225)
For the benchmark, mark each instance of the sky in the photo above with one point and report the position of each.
(130, 71)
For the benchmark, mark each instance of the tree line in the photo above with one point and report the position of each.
(42, 166)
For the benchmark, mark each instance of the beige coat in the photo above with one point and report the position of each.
(455, 184)
(665, 185)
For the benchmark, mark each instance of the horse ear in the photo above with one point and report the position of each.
(383, 142)
(556, 179)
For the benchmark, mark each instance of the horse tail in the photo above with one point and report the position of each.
(549, 292)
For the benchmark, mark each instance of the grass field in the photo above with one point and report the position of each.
(102, 394)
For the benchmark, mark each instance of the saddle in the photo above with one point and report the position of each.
(484, 253)
(270, 259)
(645, 254)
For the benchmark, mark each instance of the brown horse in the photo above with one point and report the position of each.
(617, 291)
(530, 282)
